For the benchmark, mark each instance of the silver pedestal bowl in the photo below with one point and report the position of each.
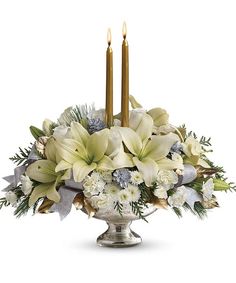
(119, 233)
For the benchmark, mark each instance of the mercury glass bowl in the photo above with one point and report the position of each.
(119, 233)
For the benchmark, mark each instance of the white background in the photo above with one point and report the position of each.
(182, 58)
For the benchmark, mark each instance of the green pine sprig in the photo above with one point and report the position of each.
(137, 209)
(22, 156)
(177, 211)
(198, 210)
(77, 113)
(146, 193)
(22, 208)
(119, 207)
(3, 202)
(205, 141)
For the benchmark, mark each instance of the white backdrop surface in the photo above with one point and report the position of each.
(182, 58)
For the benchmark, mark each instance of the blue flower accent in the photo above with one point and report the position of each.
(95, 125)
(122, 177)
(176, 148)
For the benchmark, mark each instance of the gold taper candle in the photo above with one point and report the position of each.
(109, 81)
(125, 81)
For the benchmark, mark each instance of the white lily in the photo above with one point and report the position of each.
(84, 152)
(43, 171)
(149, 152)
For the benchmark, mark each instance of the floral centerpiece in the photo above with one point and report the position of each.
(110, 173)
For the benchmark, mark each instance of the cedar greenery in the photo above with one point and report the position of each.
(22, 207)
(21, 157)
(3, 202)
(137, 208)
(119, 207)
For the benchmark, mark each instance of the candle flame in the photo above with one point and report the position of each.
(124, 30)
(109, 36)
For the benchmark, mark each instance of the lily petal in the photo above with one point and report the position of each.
(70, 150)
(148, 168)
(159, 146)
(105, 164)
(131, 140)
(134, 103)
(81, 169)
(42, 171)
(123, 159)
(114, 142)
(63, 165)
(97, 145)
(79, 133)
(42, 190)
(168, 164)
(141, 123)
(50, 150)
(67, 175)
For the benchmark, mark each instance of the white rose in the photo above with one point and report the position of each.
(207, 189)
(117, 122)
(47, 126)
(134, 192)
(11, 197)
(178, 198)
(164, 129)
(61, 132)
(192, 147)
(161, 193)
(27, 185)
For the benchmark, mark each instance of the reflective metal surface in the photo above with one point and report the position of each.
(119, 233)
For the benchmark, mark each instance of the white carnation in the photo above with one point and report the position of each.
(93, 184)
(207, 189)
(11, 197)
(40, 144)
(178, 198)
(27, 185)
(106, 176)
(161, 193)
(101, 201)
(167, 178)
(136, 177)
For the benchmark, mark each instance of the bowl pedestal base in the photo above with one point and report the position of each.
(119, 235)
